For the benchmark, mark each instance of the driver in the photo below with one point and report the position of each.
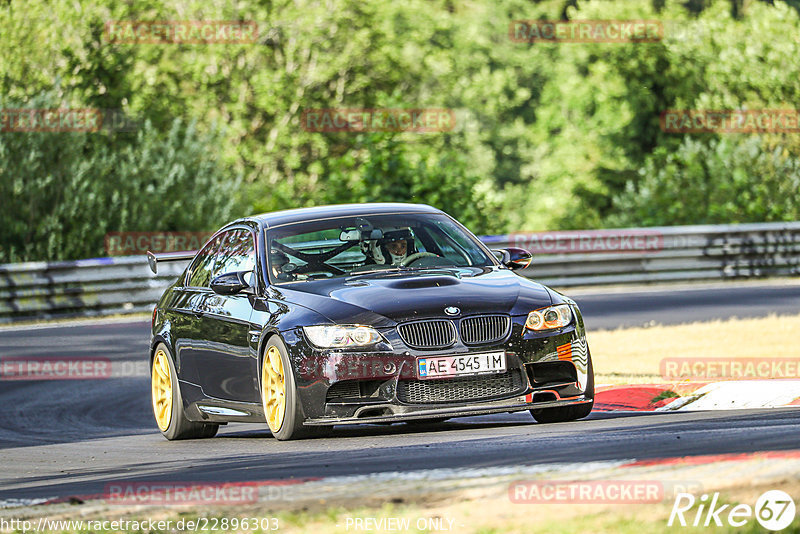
(398, 250)
(394, 247)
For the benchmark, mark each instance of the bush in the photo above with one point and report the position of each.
(63, 191)
(714, 181)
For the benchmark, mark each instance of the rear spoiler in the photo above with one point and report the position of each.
(153, 259)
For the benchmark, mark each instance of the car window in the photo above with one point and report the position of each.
(236, 253)
(454, 244)
(203, 265)
(447, 247)
(343, 246)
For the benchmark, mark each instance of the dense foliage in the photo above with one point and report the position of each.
(548, 135)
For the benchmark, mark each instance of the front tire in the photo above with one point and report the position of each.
(168, 402)
(427, 422)
(279, 397)
(569, 413)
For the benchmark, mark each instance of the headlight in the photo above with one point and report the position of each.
(336, 336)
(548, 318)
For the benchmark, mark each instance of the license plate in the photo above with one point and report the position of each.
(465, 364)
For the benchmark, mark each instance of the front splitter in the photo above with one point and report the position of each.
(450, 411)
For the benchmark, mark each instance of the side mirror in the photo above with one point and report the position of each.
(231, 283)
(514, 258)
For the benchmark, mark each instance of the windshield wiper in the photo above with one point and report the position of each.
(448, 269)
(373, 271)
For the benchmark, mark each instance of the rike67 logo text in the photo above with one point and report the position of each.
(774, 510)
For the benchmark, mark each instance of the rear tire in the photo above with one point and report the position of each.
(569, 413)
(168, 402)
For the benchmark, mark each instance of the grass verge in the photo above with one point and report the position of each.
(633, 355)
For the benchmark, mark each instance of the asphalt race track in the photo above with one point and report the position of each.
(695, 303)
(61, 438)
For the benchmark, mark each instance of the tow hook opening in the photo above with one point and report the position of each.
(377, 411)
(544, 396)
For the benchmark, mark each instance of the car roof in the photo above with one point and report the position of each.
(278, 218)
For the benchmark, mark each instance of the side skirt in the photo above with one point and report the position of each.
(204, 409)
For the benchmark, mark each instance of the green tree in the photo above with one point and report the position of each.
(386, 171)
(732, 179)
(63, 191)
(548, 135)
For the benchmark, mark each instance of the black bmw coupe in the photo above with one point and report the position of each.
(363, 313)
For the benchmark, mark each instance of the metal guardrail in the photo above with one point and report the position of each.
(659, 254)
(109, 286)
(86, 288)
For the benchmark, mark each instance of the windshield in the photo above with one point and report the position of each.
(346, 246)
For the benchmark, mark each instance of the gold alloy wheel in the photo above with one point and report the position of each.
(273, 384)
(162, 390)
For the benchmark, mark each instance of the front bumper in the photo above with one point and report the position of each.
(549, 370)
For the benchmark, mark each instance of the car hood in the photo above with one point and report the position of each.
(384, 299)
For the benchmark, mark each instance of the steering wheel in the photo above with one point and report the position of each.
(417, 255)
